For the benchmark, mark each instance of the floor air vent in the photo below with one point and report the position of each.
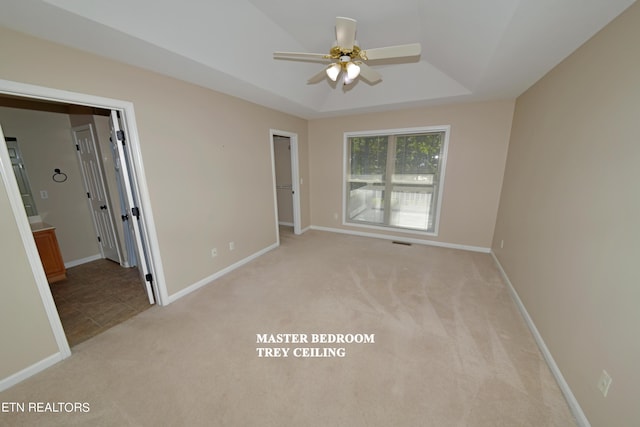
(395, 242)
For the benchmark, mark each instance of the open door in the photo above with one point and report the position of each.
(133, 204)
(130, 257)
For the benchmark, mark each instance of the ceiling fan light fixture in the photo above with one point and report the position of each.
(333, 71)
(353, 70)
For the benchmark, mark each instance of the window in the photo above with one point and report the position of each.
(394, 178)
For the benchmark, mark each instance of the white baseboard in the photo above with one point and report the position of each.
(29, 371)
(81, 261)
(576, 410)
(288, 224)
(209, 279)
(403, 239)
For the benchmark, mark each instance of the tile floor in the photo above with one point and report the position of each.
(97, 296)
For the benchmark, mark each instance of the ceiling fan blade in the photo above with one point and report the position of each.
(301, 56)
(369, 74)
(317, 77)
(345, 32)
(399, 51)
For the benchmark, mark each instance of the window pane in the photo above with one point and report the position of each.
(366, 203)
(418, 156)
(366, 180)
(416, 166)
(411, 207)
(369, 157)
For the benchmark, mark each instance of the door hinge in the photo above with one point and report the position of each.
(120, 136)
(124, 218)
(135, 212)
(99, 239)
(77, 147)
(88, 195)
(148, 277)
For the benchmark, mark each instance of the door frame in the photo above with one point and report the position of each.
(24, 90)
(295, 177)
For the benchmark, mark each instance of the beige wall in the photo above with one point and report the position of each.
(46, 144)
(25, 335)
(207, 162)
(569, 217)
(476, 157)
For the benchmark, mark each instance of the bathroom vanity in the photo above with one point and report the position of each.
(47, 244)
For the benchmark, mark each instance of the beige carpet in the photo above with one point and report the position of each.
(450, 348)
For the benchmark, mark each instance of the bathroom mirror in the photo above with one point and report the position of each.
(22, 177)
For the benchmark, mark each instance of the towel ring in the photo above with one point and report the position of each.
(59, 176)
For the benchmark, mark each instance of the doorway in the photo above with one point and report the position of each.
(286, 180)
(137, 196)
(91, 291)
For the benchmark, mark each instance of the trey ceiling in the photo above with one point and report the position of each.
(471, 49)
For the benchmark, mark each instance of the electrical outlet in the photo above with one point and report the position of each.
(604, 382)
(214, 253)
(44, 194)
(232, 245)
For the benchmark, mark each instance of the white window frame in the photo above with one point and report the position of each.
(386, 132)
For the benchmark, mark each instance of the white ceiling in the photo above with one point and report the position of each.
(471, 49)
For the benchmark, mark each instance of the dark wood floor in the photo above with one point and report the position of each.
(97, 296)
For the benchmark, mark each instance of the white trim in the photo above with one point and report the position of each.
(272, 154)
(295, 182)
(576, 410)
(217, 275)
(288, 224)
(26, 234)
(404, 239)
(387, 228)
(30, 371)
(77, 262)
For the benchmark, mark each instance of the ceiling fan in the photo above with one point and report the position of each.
(348, 59)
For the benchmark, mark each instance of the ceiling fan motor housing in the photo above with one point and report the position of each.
(355, 52)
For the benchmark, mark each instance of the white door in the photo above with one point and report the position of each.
(99, 204)
(127, 229)
(120, 139)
